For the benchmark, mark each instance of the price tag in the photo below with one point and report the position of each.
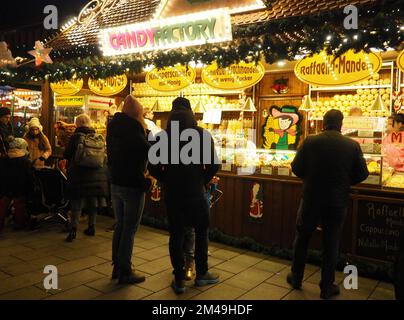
(246, 170)
(367, 147)
(366, 134)
(283, 172)
(372, 179)
(226, 167)
(266, 170)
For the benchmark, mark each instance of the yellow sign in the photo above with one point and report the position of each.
(235, 77)
(67, 87)
(170, 78)
(109, 86)
(69, 101)
(400, 61)
(326, 70)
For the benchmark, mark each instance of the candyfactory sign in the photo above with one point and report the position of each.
(176, 32)
(349, 68)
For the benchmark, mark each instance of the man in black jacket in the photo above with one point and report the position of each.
(329, 165)
(127, 149)
(184, 192)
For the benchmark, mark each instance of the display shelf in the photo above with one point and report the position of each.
(349, 88)
(209, 93)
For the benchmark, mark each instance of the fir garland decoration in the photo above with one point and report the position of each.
(380, 27)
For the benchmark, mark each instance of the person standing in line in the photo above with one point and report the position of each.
(5, 131)
(329, 165)
(127, 149)
(38, 144)
(87, 184)
(184, 188)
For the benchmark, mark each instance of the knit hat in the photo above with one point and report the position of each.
(4, 111)
(19, 144)
(34, 123)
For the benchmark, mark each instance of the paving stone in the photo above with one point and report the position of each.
(126, 293)
(33, 265)
(146, 244)
(79, 264)
(39, 244)
(221, 291)
(29, 293)
(270, 266)
(105, 285)
(223, 276)
(249, 278)
(7, 260)
(154, 253)
(225, 254)
(4, 275)
(279, 278)
(157, 282)
(352, 294)
(309, 291)
(265, 291)
(21, 281)
(155, 266)
(212, 261)
(38, 253)
(107, 255)
(385, 285)
(316, 277)
(381, 293)
(238, 264)
(75, 279)
(14, 250)
(169, 294)
(78, 293)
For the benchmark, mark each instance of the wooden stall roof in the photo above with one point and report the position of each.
(134, 11)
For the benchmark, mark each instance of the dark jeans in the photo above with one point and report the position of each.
(182, 214)
(128, 207)
(332, 222)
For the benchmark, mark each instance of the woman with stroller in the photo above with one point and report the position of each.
(38, 144)
(87, 182)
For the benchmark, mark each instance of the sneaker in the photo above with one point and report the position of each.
(178, 286)
(90, 231)
(329, 292)
(115, 272)
(206, 279)
(131, 278)
(291, 278)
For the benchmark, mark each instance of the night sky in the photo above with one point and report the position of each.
(14, 13)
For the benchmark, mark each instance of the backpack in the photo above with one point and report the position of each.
(90, 151)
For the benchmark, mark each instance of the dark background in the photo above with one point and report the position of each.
(21, 13)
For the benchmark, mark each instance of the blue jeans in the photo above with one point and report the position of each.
(128, 204)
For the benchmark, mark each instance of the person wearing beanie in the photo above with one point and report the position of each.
(329, 164)
(5, 130)
(184, 187)
(16, 182)
(38, 144)
(127, 150)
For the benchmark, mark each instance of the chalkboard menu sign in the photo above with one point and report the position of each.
(378, 229)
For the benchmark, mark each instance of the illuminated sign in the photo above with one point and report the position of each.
(400, 61)
(73, 101)
(68, 87)
(109, 86)
(170, 78)
(235, 77)
(176, 32)
(326, 70)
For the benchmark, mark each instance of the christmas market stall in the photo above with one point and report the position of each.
(260, 75)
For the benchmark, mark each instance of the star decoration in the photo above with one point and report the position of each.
(41, 54)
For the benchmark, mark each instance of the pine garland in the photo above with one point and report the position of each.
(379, 27)
(382, 271)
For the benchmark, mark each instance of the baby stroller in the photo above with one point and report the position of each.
(50, 187)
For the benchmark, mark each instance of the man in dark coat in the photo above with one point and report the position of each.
(329, 165)
(184, 188)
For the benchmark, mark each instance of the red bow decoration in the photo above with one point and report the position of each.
(281, 133)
